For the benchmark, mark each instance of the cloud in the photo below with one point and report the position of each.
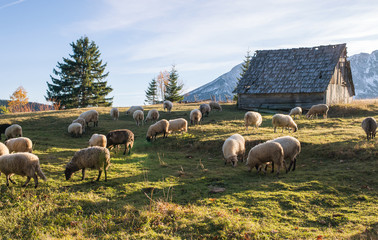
(11, 4)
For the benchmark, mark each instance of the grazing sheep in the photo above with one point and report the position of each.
(3, 127)
(195, 116)
(167, 105)
(75, 129)
(20, 144)
(152, 115)
(114, 113)
(138, 116)
(233, 148)
(318, 109)
(370, 126)
(205, 108)
(23, 164)
(214, 105)
(252, 119)
(178, 124)
(161, 127)
(82, 123)
(296, 111)
(291, 147)
(264, 153)
(132, 109)
(90, 116)
(92, 157)
(13, 131)
(284, 121)
(97, 140)
(3, 149)
(120, 136)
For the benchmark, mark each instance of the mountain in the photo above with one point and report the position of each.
(220, 88)
(365, 74)
(31, 106)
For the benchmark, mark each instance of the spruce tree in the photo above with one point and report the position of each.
(80, 80)
(244, 68)
(151, 92)
(173, 88)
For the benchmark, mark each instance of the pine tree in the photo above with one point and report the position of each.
(244, 68)
(80, 80)
(173, 88)
(151, 92)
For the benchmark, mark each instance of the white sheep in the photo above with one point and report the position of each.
(114, 113)
(195, 116)
(132, 109)
(167, 105)
(284, 121)
(97, 140)
(138, 116)
(20, 144)
(91, 157)
(252, 119)
(233, 148)
(215, 105)
(178, 124)
(296, 111)
(82, 123)
(291, 147)
(90, 116)
(264, 153)
(75, 129)
(3, 149)
(318, 109)
(13, 131)
(161, 127)
(152, 115)
(205, 109)
(369, 125)
(24, 164)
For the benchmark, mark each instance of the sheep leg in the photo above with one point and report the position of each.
(83, 174)
(291, 164)
(27, 181)
(275, 129)
(106, 175)
(35, 180)
(99, 175)
(124, 153)
(11, 180)
(7, 177)
(272, 167)
(295, 162)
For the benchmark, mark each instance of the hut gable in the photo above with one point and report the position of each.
(298, 70)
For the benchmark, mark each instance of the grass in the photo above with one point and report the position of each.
(165, 189)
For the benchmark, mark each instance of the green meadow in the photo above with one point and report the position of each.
(179, 187)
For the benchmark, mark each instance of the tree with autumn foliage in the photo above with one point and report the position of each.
(18, 100)
(162, 82)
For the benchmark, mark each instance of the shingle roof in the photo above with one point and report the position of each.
(297, 70)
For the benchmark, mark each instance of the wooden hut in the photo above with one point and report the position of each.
(286, 78)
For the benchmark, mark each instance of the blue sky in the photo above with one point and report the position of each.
(138, 39)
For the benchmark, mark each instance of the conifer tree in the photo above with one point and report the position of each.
(151, 92)
(173, 88)
(80, 79)
(245, 65)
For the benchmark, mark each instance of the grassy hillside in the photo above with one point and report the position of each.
(168, 189)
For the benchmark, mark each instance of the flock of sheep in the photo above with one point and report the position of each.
(16, 153)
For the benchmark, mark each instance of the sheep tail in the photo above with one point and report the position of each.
(40, 173)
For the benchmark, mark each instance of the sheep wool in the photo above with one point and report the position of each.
(90, 116)
(167, 105)
(75, 129)
(161, 127)
(92, 157)
(13, 131)
(232, 148)
(132, 109)
(114, 113)
(284, 121)
(152, 115)
(264, 153)
(369, 125)
(215, 106)
(3, 149)
(178, 124)
(20, 144)
(138, 116)
(23, 164)
(295, 111)
(205, 109)
(82, 123)
(252, 119)
(291, 147)
(318, 109)
(97, 140)
(120, 136)
(195, 116)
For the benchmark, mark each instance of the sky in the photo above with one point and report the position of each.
(137, 39)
